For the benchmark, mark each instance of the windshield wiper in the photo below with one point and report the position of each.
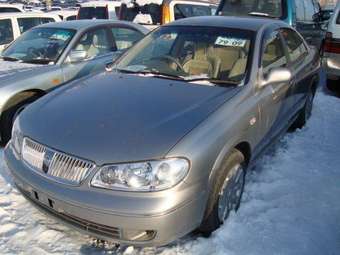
(261, 14)
(10, 59)
(153, 73)
(39, 61)
(214, 81)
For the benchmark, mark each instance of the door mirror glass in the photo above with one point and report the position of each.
(76, 56)
(277, 76)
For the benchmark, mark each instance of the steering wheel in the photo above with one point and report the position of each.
(172, 60)
(34, 52)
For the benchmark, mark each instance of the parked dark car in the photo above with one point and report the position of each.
(160, 146)
(304, 15)
(53, 54)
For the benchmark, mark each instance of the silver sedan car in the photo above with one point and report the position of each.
(52, 54)
(159, 146)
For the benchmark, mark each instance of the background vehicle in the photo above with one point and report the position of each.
(331, 48)
(52, 54)
(160, 146)
(99, 10)
(304, 15)
(154, 14)
(12, 25)
(11, 8)
(66, 15)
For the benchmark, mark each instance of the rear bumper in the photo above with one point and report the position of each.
(331, 64)
(112, 222)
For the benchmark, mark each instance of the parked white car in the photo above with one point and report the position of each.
(331, 47)
(66, 15)
(4, 8)
(12, 25)
(99, 10)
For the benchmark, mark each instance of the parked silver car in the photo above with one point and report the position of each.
(52, 54)
(159, 146)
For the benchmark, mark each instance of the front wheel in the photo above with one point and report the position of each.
(226, 192)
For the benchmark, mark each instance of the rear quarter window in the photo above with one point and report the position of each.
(6, 31)
(338, 18)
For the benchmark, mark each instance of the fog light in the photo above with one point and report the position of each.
(138, 235)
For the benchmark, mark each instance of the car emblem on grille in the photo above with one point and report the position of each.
(47, 160)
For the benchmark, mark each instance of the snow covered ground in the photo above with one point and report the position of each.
(291, 204)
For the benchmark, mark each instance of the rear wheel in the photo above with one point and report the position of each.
(226, 193)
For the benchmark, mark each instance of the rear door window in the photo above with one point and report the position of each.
(93, 13)
(295, 45)
(124, 37)
(6, 31)
(191, 10)
(27, 23)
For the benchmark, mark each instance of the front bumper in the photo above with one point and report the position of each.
(331, 64)
(165, 216)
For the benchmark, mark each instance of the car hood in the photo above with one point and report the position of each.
(118, 117)
(16, 71)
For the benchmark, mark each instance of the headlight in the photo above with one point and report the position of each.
(17, 137)
(143, 176)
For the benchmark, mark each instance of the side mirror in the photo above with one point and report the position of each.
(277, 76)
(76, 56)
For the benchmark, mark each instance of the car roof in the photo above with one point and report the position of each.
(243, 23)
(85, 24)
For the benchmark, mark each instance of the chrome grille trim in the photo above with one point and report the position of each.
(65, 168)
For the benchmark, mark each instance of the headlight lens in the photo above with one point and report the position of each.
(142, 176)
(17, 137)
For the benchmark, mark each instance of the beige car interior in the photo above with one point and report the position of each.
(93, 44)
(219, 62)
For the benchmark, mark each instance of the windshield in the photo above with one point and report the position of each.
(39, 45)
(218, 55)
(270, 8)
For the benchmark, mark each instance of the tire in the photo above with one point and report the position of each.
(305, 113)
(227, 190)
(11, 113)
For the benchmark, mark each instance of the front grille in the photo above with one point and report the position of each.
(55, 164)
(91, 227)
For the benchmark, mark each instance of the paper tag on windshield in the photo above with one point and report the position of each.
(231, 42)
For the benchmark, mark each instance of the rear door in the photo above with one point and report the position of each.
(98, 49)
(6, 33)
